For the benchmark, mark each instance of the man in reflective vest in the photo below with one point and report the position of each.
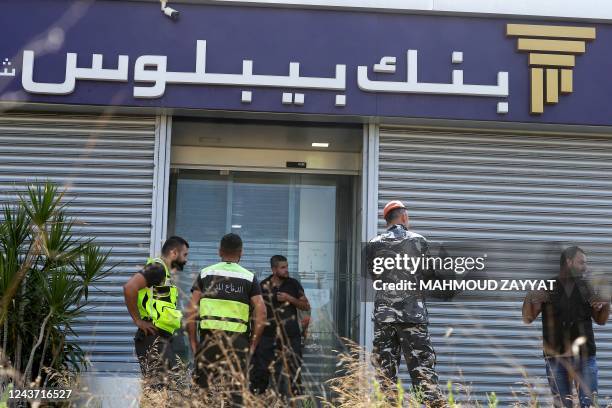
(223, 297)
(151, 298)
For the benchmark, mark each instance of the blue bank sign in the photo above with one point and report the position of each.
(305, 61)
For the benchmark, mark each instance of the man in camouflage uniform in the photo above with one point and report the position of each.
(400, 316)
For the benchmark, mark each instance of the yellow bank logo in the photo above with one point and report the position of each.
(552, 55)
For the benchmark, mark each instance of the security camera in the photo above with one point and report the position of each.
(169, 11)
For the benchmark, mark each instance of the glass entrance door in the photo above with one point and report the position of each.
(307, 218)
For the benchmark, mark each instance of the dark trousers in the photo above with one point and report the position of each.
(278, 360)
(393, 339)
(155, 356)
(221, 362)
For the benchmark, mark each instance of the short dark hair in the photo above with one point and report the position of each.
(231, 243)
(276, 259)
(394, 213)
(570, 253)
(173, 242)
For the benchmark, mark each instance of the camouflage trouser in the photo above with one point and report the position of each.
(390, 340)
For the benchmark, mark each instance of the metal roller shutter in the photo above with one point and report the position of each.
(106, 165)
(516, 194)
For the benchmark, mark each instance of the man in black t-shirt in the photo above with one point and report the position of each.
(281, 342)
(568, 312)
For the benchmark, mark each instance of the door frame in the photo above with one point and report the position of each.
(364, 211)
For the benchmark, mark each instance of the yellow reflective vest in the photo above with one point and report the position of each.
(159, 303)
(225, 304)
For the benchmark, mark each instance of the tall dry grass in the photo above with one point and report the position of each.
(355, 385)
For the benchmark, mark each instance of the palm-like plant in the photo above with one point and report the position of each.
(45, 274)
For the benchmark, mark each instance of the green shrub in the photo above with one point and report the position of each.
(45, 274)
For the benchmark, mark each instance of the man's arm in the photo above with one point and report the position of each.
(431, 273)
(532, 306)
(300, 303)
(130, 293)
(598, 294)
(305, 323)
(192, 313)
(259, 320)
(600, 312)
